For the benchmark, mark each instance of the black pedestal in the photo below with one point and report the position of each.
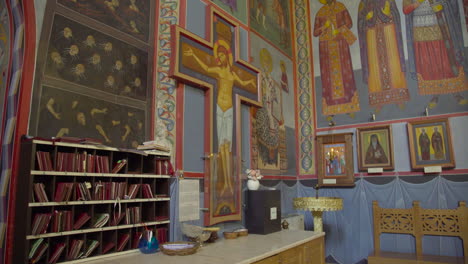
(263, 214)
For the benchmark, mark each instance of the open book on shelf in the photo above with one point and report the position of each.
(100, 220)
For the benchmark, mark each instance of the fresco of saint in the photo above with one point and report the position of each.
(435, 47)
(270, 127)
(332, 27)
(382, 57)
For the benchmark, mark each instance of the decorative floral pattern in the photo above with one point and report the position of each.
(304, 92)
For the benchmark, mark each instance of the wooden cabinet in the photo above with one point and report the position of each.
(312, 252)
(270, 260)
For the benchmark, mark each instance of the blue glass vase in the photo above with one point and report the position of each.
(148, 247)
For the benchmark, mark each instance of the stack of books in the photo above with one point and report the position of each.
(40, 193)
(74, 250)
(44, 161)
(38, 248)
(100, 220)
(133, 215)
(109, 190)
(61, 221)
(81, 162)
(56, 253)
(99, 164)
(161, 234)
(77, 140)
(163, 166)
(82, 191)
(81, 220)
(40, 223)
(153, 145)
(68, 162)
(63, 191)
(147, 193)
(133, 191)
(162, 218)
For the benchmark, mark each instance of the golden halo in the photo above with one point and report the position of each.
(323, 2)
(225, 45)
(265, 60)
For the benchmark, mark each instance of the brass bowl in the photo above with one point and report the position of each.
(230, 235)
(242, 232)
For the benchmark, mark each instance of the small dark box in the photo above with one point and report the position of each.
(263, 214)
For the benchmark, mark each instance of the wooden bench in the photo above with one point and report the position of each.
(418, 222)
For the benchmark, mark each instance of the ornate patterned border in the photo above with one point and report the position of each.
(305, 97)
(165, 86)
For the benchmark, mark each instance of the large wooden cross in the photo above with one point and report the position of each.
(213, 64)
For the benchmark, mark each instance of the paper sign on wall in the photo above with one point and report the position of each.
(189, 200)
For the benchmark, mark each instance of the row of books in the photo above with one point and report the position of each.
(163, 167)
(63, 192)
(40, 194)
(102, 191)
(121, 243)
(77, 162)
(78, 249)
(114, 190)
(44, 161)
(62, 221)
(82, 162)
(133, 215)
(40, 223)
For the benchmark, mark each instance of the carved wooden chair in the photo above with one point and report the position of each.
(418, 222)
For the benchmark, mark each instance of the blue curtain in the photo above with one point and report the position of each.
(349, 232)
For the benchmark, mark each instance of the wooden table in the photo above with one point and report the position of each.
(287, 246)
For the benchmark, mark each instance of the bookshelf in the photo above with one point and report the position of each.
(75, 201)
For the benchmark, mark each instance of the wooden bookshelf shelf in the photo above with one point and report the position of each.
(90, 174)
(68, 189)
(99, 202)
(100, 257)
(92, 230)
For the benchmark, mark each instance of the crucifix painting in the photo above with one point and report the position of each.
(214, 66)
